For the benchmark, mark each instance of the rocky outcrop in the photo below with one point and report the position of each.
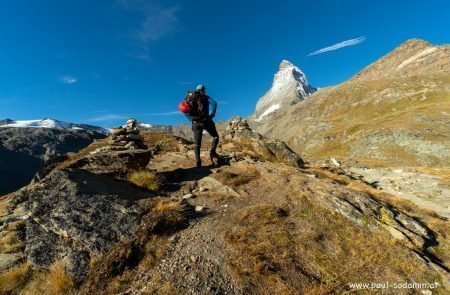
(75, 215)
(113, 162)
(23, 151)
(244, 141)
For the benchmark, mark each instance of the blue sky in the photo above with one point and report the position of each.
(100, 62)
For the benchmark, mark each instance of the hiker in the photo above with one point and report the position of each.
(196, 107)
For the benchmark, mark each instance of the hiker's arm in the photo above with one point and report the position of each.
(187, 116)
(213, 105)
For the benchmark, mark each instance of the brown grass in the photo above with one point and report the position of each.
(58, 280)
(4, 203)
(15, 279)
(157, 286)
(52, 282)
(160, 141)
(237, 177)
(313, 250)
(145, 179)
(10, 242)
(170, 214)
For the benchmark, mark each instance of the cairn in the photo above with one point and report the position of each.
(127, 137)
(238, 124)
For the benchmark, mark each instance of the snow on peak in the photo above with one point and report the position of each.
(51, 123)
(290, 73)
(289, 86)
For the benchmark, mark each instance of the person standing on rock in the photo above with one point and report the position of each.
(196, 107)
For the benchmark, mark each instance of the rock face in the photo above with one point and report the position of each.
(113, 162)
(23, 151)
(80, 211)
(289, 87)
(395, 111)
(75, 215)
(245, 141)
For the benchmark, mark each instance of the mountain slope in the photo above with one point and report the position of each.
(259, 224)
(23, 151)
(289, 87)
(394, 112)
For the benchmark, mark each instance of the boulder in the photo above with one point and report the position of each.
(241, 139)
(114, 162)
(75, 214)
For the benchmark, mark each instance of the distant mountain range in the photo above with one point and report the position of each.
(52, 123)
(396, 111)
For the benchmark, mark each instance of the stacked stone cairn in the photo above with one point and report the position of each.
(128, 136)
(238, 124)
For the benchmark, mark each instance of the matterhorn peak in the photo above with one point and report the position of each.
(289, 86)
(285, 64)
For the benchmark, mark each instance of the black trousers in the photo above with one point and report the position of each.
(198, 128)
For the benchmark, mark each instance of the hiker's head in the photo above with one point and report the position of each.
(201, 88)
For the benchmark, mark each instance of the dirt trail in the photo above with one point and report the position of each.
(194, 260)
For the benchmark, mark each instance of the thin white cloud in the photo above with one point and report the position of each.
(66, 79)
(105, 118)
(156, 23)
(339, 45)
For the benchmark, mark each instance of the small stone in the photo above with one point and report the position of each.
(202, 189)
(187, 196)
(193, 259)
(174, 238)
(199, 209)
(335, 162)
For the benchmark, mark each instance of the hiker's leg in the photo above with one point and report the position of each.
(211, 129)
(198, 131)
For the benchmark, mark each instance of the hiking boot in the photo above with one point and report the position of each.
(214, 158)
(198, 164)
